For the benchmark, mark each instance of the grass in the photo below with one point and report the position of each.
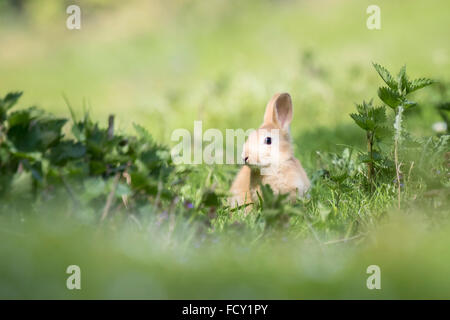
(129, 263)
(220, 62)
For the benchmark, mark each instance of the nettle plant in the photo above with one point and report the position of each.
(25, 135)
(373, 119)
(92, 165)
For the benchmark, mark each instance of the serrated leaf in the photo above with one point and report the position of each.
(382, 132)
(65, 151)
(142, 132)
(50, 131)
(378, 114)
(10, 100)
(360, 108)
(402, 80)
(7, 103)
(360, 121)
(23, 117)
(418, 84)
(366, 158)
(29, 134)
(389, 96)
(385, 75)
(368, 117)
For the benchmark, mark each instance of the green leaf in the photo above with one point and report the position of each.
(97, 167)
(29, 156)
(365, 158)
(361, 108)
(360, 121)
(369, 117)
(382, 132)
(386, 76)
(389, 96)
(65, 151)
(143, 133)
(23, 117)
(402, 80)
(210, 198)
(50, 131)
(10, 100)
(378, 115)
(418, 84)
(36, 135)
(7, 103)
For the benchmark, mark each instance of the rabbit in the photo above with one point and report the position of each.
(269, 158)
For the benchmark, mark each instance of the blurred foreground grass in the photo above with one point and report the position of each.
(133, 264)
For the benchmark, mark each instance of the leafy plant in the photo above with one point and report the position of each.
(274, 209)
(372, 120)
(95, 166)
(395, 96)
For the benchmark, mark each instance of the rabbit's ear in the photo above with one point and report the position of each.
(279, 110)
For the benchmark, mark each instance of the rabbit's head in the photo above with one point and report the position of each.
(271, 143)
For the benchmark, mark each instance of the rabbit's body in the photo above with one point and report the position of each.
(247, 183)
(270, 161)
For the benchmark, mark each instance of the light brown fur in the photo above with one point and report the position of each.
(286, 174)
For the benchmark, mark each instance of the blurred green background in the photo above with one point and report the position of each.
(164, 64)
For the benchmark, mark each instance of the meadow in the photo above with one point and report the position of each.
(73, 193)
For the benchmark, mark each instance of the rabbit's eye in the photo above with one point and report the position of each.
(268, 140)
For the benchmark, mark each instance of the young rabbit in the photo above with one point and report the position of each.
(269, 157)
